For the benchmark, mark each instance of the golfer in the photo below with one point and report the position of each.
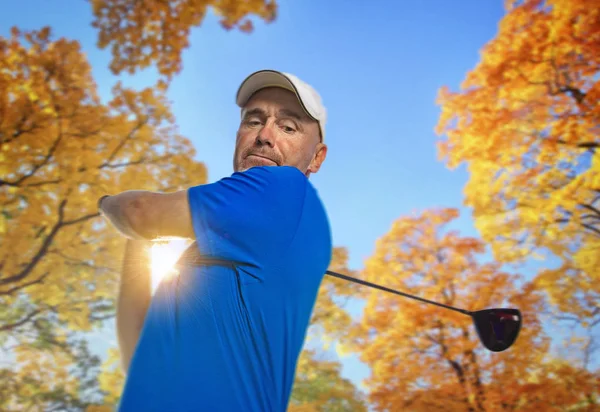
(226, 333)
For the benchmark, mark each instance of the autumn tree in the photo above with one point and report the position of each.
(155, 32)
(61, 148)
(331, 320)
(424, 358)
(44, 377)
(319, 387)
(526, 124)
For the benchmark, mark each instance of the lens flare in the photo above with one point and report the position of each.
(164, 255)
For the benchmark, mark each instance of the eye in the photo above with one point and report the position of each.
(253, 122)
(288, 128)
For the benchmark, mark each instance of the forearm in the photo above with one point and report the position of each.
(135, 293)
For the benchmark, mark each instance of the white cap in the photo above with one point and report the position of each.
(307, 95)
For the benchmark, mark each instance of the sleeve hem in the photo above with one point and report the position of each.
(198, 223)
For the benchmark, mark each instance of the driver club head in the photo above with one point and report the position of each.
(497, 328)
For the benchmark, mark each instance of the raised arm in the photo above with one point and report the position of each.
(145, 215)
(141, 216)
(135, 290)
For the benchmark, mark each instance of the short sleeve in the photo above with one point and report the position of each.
(250, 217)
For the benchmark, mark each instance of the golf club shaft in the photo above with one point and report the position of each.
(192, 257)
(406, 295)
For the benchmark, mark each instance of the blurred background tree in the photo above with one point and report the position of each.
(61, 149)
(155, 32)
(426, 359)
(319, 387)
(526, 124)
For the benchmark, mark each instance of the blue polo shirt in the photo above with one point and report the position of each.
(226, 337)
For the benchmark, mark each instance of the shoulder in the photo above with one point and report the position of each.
(266, 187)
(268, 179)
(272, 186)
(248, 215)
(274, 174)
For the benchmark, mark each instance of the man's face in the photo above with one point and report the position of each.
(276, 131)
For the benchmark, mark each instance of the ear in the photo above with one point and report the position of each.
(318, 158)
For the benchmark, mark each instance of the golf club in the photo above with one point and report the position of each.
(497, 328)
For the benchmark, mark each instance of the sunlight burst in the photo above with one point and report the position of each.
(164, 255)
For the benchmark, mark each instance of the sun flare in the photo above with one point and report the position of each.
(164, 255)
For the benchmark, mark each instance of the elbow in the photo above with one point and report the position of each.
(134, 213)
(129, 213)
(138, 215)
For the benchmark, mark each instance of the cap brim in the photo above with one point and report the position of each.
(263, 79)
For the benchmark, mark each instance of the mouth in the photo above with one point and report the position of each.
(262, 159)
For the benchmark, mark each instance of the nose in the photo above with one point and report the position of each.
(266, 135)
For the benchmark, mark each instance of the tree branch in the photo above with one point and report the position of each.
(24, 285)
(46, 243)
(583, 145)
(101, 318)
(21, 322)
(121, 144)
(39, 165)
(42, 251)
(47, 182)
(591, 208)
(454, 364)
(591, 228)
(80, 219)
(18, 128)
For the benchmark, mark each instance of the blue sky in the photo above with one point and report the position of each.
(378, 67)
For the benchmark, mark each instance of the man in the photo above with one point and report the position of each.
(226, 333)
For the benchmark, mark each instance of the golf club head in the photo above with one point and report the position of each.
(497, 328)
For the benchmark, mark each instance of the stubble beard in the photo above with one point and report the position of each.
(242, 162)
